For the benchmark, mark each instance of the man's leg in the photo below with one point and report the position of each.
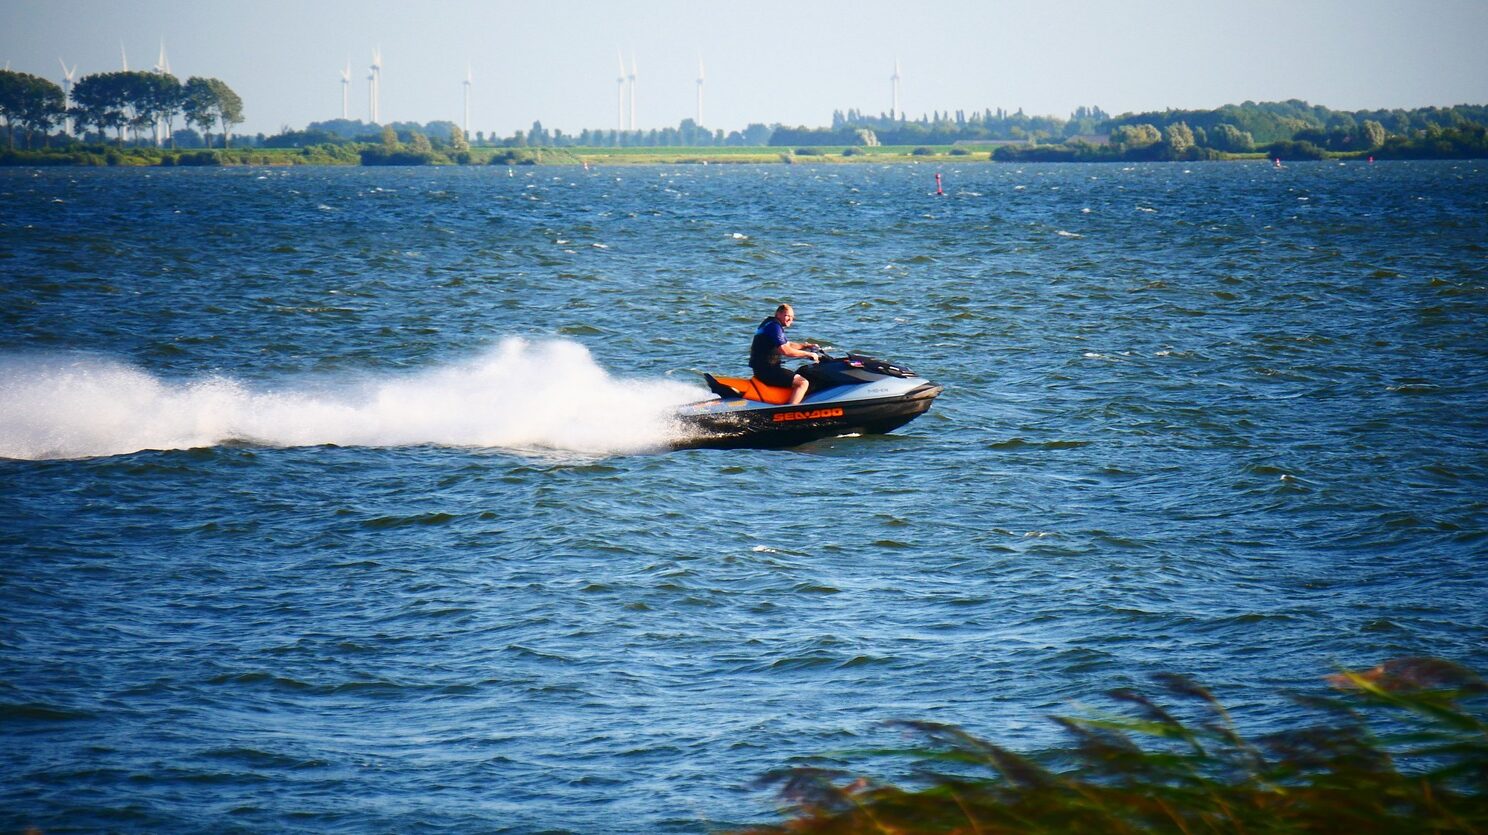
(798, 389)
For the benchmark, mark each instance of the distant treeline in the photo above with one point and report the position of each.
(1178, 142)
(1291, 129)
(138, 101)
(949, 128)
(687, 134)
(1299, 121)
(147, 104)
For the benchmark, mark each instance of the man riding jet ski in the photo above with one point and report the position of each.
(770, 346)
(777, 407)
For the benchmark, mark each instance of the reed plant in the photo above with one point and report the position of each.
(1402, 748)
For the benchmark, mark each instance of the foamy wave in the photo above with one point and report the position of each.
(519, 395)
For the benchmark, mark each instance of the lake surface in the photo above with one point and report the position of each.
(339, 499)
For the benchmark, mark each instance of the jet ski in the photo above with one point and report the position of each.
(847, 395)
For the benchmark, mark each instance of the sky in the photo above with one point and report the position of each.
(793, 63)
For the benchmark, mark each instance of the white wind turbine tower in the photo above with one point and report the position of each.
(632, 92)
(621, 81)
(346, 90)
(894, 79)
(124, 61)
(376, 79)
(162, 67)
(68, 75)
(700, 91)
(468, 79)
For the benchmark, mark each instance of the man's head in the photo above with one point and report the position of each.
(785, 315)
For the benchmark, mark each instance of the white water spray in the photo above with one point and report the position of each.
(520, 395)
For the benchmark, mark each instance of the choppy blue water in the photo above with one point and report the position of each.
(333, 498)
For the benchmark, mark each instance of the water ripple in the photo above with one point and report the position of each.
(278, 567)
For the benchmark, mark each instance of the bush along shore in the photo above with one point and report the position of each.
(1401, 748)
(142, 104)
(1469, 142)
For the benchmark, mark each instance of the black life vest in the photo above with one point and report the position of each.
(763, 351)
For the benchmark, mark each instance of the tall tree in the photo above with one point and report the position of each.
(1227, 137)
(1135, 136)
(229, 109)
(199, 105)
(209, 100)
(99, 100)
(161, 97)
(136, 93)
(1180, 138)
(46, 106)
(33, 103)
(1374, 133)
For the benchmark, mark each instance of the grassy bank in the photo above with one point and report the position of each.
(756, 154)
(1402, 748)
(351, 154)
(96, 155)
(365, 154)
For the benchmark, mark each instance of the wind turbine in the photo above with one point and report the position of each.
(894, 79)
(162, 67)
(345, 89)
(67, 80)
(467, 100)
(123, 57)
(376, 84)
(700, 91)
(632, 92)
(621, 81)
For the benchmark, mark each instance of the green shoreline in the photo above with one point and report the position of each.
(1467, 144)
(97, 155)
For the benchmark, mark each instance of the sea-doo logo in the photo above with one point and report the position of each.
(811, 415)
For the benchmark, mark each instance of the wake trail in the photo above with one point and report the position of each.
(520, 395)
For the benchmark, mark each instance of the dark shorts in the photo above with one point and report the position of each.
(776, 375)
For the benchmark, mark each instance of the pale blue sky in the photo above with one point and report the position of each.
(768, 61)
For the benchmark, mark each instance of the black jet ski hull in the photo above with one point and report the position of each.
(754, 425)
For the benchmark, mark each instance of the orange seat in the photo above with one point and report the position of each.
(754, 389)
